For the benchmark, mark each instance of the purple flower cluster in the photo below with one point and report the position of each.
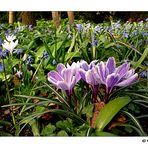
(79, 27)
(65, 77)
(95, 74)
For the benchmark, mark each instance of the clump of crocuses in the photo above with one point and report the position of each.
(96, 74)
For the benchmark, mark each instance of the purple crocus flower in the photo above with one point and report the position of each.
(65, 77)
(89, 74)
(112, 76)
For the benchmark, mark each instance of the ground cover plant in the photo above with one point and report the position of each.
(83, 79)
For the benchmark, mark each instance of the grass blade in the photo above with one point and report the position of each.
(136, 122)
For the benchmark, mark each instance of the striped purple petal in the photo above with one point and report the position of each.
(60, 67)
(55, 76)
(101, 71)
(82, 73)
(84, 65)
(111, 65)
(128, 81)
(62, 85)
(123, 69)
(111, 81)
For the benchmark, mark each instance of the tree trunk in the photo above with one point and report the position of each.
(56, 18)
(28, 18)
(11, 17)
(70, 17)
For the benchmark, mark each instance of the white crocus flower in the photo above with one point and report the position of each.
(9, 43)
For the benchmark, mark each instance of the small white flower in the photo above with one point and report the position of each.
(9, 44)
(19, 73)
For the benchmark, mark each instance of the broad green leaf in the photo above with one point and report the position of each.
(109, 111)
(55, 47)
(71, 55)
(39, 53)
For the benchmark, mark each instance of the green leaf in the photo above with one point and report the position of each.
(109, 45)
(88, 110)
(144, 55)
(15, 62)
(72, 43)
(62, 133)
(39, 53)
(110, 110)
(34, 126)
(65, 125)
(71, 55)
(48, 130)
(55, 47)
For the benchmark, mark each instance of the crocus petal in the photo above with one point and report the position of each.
(96, 75)
(92, 64)
(111, 81)
(54, 75)
(101, 70)
(60, 67)
(72, 84)
(84, 65)
(75, 66)
(82, 73)
(128, 81)
(111, 65)
(62, 85)
(77, 77)
(123, 69)
(53, 81)
(91, 79)
(129, 73)
(67, 74)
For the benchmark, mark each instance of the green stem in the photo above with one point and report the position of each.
(36, 70)
(23, 108)
(94, 52)
(8, 93)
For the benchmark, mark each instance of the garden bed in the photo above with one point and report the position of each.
(83, 79)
